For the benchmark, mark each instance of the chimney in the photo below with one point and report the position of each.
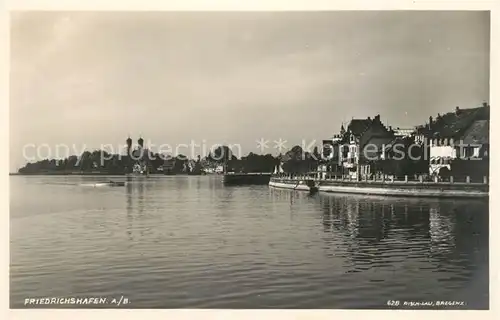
(485, 104)
(369, 118)
(457, 110)
(377, 117)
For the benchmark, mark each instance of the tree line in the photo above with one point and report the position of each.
(102, 162)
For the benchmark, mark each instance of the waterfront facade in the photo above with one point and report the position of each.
(332, 152)
(454, 143)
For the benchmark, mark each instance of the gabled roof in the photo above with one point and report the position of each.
(359, 126)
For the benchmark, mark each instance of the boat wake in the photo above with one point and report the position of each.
(103, 184)
(93, 184)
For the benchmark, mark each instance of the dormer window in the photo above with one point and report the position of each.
(352, 138)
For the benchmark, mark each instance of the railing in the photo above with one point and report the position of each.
(248, 173)
(388, 179)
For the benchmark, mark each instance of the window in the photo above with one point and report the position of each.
(476, 152)
(468, 152)
(327, 150)
(345, 150)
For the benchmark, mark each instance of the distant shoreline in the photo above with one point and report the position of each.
(67, 174)
(94, 174)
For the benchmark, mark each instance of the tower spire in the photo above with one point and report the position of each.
(129, 142)
(140, 141)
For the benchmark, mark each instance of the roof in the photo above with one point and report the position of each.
(359, 126)
(478, 133)
(379, 142)
(394, 141)
(453, 124)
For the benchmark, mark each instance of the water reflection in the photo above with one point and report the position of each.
(376, 230)
(129, 210)
(250, 247)
(293, 197)
(140, 197)
(136, 204)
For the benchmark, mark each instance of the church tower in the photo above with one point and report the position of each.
(129, 145)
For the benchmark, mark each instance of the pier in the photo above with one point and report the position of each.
(260, 178)
(405, 187)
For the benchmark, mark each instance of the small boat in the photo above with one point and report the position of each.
(295, 184)
(110, 184)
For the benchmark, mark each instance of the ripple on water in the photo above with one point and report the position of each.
(178, 242)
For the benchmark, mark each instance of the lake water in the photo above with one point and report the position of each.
(190, 242)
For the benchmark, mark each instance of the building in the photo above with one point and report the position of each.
(138, 159)
(330, 155)
(331, 161)
(423, 132)
(364, 138)
(168, 165)
(353, 151)
(462, 134)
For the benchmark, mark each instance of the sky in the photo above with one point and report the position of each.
(86, 79)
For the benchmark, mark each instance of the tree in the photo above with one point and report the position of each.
(221, 154)
(411, 162)
(255, 163)
(298, 161)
